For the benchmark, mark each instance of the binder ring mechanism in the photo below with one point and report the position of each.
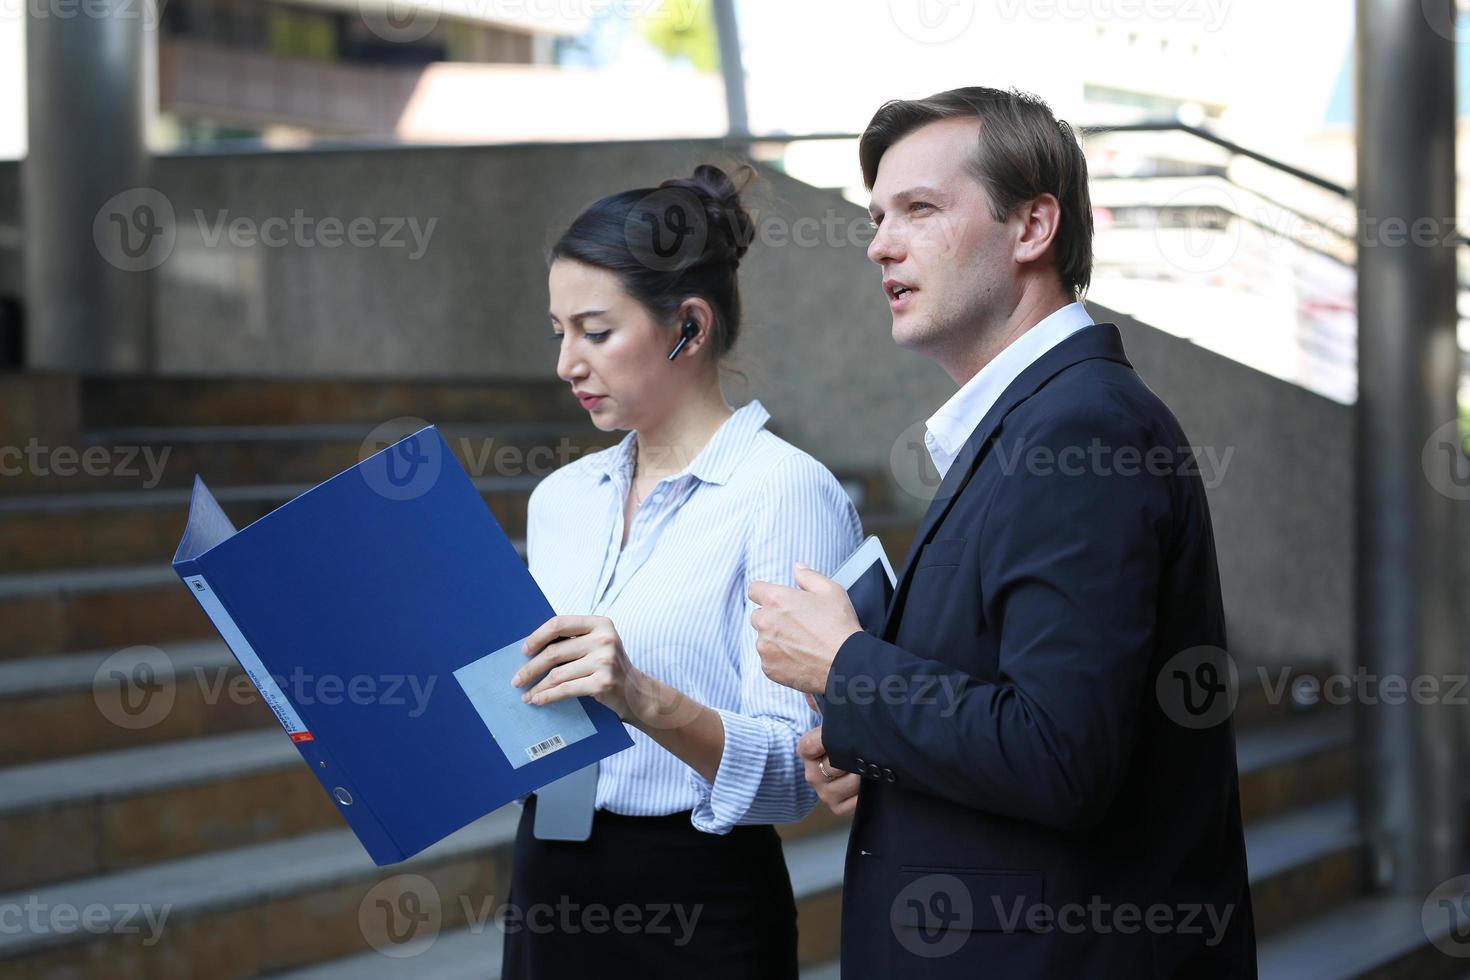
(343, 797)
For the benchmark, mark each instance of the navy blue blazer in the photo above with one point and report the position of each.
(1030, 807)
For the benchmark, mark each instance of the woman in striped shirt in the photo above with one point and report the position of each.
(645, 551)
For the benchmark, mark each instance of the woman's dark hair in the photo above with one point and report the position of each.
(667, 244)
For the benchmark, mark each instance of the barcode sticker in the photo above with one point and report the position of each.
(547, 745)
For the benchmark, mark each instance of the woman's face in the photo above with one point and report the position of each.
(612, 352)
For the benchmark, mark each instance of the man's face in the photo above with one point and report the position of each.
(935, 236)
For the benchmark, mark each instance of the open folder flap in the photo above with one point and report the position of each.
(207, 525)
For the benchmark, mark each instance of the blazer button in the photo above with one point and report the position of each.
(874, 771)
(861, 764)
(888, 775)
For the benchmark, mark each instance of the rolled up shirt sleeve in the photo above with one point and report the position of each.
(802, 514)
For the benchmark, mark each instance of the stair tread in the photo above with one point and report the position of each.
(227, 879)
(468, 953)
(1348, 941)
(317, 432)
(57, 673)
(473, 952)
(15, 585)
(133, 771)
(231, 878)
(108, 578)
(225, 493)
(1264, 746)
(1300, 836)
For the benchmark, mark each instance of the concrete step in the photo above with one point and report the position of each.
(79, 703)
(116, 527)
(1286, 764)
(162, 457)
(70, 721)
(108, 811)
(56, 611)
(296, 902)
(473, 952)
(51, 611)
(1304, 862)
(1384, 937)
(1271, 694)
(240, 912)
(105, 529)
(116, 402)
(292, 903)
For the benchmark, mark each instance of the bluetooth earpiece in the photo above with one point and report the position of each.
(686, 333)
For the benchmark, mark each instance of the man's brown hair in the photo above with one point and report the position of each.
(1024, 151)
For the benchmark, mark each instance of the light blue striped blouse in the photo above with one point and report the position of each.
(744, 509)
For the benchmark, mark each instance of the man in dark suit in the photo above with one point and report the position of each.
(1041, 788)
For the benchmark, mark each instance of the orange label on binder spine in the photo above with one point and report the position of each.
(302, 737)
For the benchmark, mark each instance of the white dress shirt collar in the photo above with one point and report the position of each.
(715, 461)
(948, 429)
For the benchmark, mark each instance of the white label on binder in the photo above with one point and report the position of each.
(254, 669)
(524, 732)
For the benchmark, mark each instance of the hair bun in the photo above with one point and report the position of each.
(730, 225)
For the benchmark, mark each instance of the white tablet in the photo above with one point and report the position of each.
(870, 551)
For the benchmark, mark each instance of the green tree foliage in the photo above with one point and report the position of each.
(684, 29)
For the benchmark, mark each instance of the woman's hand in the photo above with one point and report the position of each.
(585, 656)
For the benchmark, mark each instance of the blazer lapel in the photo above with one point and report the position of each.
(1099, 340)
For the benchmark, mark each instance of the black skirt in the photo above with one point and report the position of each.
(649, 897)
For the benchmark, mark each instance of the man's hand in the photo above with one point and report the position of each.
(800, 630)
(839, 791)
